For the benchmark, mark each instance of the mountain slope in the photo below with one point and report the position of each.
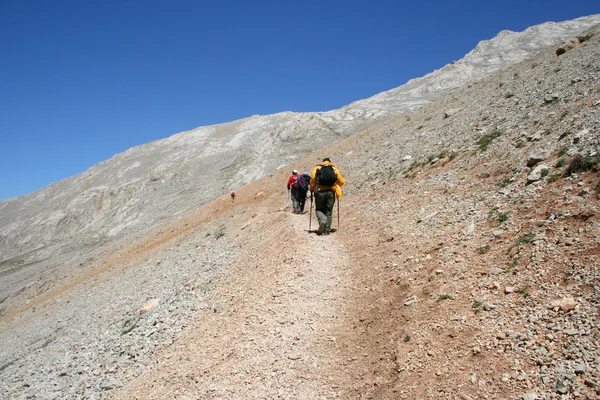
(151, 183)
(409, 299)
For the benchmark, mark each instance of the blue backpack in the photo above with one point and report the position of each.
(303, 182)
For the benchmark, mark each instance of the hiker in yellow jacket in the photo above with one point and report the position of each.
(326, 183)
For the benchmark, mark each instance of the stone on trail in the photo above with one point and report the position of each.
(149, 305)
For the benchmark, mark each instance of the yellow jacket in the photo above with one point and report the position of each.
(337, 186)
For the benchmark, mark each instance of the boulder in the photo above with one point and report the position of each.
(451, 112)
(536, 174)
(536, 157)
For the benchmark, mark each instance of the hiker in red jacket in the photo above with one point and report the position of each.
(232, 197)
(292, 187)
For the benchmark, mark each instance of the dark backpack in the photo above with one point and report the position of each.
(326, 176)
(302, 182)
(306, 180)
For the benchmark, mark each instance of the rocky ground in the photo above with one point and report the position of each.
(465, 266)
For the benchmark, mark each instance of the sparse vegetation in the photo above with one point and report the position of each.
(508, 95)
(581, 163)
(484, 249)
(129, 325)
(525, 239)
(412, 166)
(553, 178)
(499, 217)
(545, 172)
(445, 297)
(524, 290)
(520, 143)
(8, 364)
(484, 141)
(514, 263)
(563, 151)
(560, 163)
(442, 154)
(563, 115)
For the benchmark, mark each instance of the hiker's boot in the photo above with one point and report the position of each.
(321, 228)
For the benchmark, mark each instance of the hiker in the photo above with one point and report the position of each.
(292, 187)
(232, 197)
(303, 190)
(326, 183)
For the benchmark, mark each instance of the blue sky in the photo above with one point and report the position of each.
(84, 80)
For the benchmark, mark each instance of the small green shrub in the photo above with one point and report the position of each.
(445, 297)
(526, 239)
(508, 95)
(553, 178)
(484, 141)
(581, 163)
(524, 290)
(563, 115)
(563, 151)
(499, 217)
(519, 144)
(503, 216)
(560, 163)
(545, 172)
(484, 249)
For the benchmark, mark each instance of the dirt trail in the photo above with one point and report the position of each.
(274, 327)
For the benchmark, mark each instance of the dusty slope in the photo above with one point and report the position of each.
(456, 278)
(412, 299)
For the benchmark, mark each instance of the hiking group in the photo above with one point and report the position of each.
(297, 189)
(325, 184)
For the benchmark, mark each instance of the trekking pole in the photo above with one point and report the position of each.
(310, 212)
(338, 214)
